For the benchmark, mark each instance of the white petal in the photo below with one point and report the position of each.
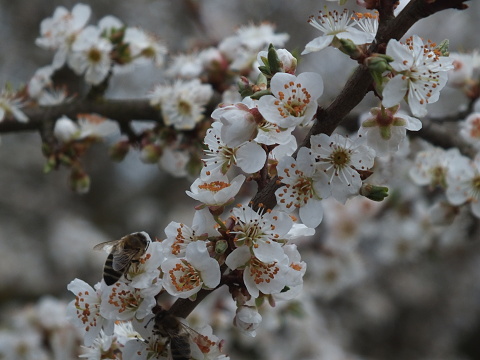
(311, 213)
(251, 157)
(318, 44)
(394, 91)
(238, 258)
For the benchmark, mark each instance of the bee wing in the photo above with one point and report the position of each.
(107, 245)
(122, 258)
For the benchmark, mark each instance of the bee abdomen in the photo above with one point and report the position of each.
(180, 347)
(110, 276)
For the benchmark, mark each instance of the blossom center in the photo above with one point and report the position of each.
(184, 107)
(123, 300)
(94, 55)
(184, 276)
(262, 272)
(214, 186)
(340, 158)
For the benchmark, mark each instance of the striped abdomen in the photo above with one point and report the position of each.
(180, 347)
(111, 276)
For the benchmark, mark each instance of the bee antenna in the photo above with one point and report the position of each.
(148, 322)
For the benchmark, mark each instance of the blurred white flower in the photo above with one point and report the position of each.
(183, 103)
(470, 129)
(59, 32)
(10, 105)
(90, 54)
(144, 46)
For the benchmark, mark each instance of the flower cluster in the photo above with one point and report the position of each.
(94, 50)
(114, 319)
(251, 249)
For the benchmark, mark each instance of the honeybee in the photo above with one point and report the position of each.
(123, 252)
(168, 326)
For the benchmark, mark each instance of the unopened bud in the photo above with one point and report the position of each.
(244, 87)
(65, 159)
(348, 47)
(221, 246)
(79, 180)
(374, 192)
(50, 165)
(273, 60)
(118, 151)
(378, 63)
(151, 153)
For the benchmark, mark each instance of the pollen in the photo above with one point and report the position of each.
(184, 277)
(214, 186)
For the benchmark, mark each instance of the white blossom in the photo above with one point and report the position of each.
(247, 319)
(262, 231)
(463, 182)
(124, 302)
(84, 311)
(11, 105)
(294, 99)
(144, 45)
(470, 129)
(184, 277)
(215, 189)
(386, 129)
(420, 74)
(334, 26)
(248, 156)
(59, 32)
(339, 158)
(304, 188)
(432, 166)
(269, 278)
(90, 54)
(183, 103)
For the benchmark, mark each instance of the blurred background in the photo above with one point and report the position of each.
(427, 307)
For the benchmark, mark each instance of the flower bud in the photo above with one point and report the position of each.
(151, 153)
(374, 192)
(348, 47)
(221, 246)
(119, 150)
(377, 63)
(65, 129)
(247, 320)
(79, 180)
